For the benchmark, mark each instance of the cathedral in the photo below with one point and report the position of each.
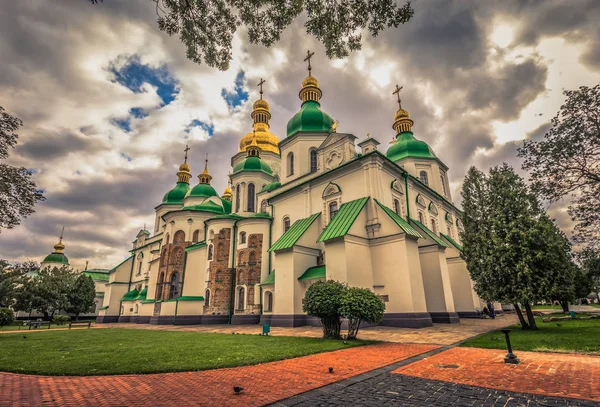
(315, 205)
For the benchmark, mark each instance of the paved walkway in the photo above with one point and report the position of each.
(439, 334)
(549, 374)
(263, 384)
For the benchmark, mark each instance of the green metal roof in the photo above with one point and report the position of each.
(430, 233)
(313, 273)
(343, 219)
(105, 307)
(227, 205)
(195, 246)
(310, 118)
(294, 233)
(404, 225)
(98, 275)
(253, 164)
(176, 195)
(270, 279)
(406, 145)
(131, 295)
(142, 295)
(191, 298)
(452, 242)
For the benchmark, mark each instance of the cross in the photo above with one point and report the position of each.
(187, 148)
(308, 57)
(61, 233)
(397, 92)
(260, 84)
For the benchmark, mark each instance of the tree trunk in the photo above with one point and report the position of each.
(565, 306)
(353, 325)
(530, 317)
(524, 325)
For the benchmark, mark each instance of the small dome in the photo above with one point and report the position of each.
(56, 258)
(401, 114)
(266, 140)
(202, 190)
(407, 145)
(176, 195)
(252, 163)
(260, 104)
(185, 167)
(310, 81)
(310, 118)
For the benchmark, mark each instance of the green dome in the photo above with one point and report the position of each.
(207, 206)
(176, 195)
(407, 145)
(55, 257)
(252, 163)
(203, 190)
(271, 186)
(310, 118)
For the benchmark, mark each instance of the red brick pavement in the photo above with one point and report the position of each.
(263, 384)
(549, 374)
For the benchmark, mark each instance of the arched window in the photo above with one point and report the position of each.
(241, 297)
(443, 179)
(179, 237)
(196, 235)
(174, 286)
(333, 208)
(240, 279)
(450, 229)
(139, 272)
(423, 177)
(252, 258)
(207, 297)
(241, 258)
(159, 286)
(286, 224)
(210, 252)
(242, 237)
(434, 226)
(137, 307)
(167, 239)
(237, 198)
(263, 206)
(290, 164)
(421, 217)
(269, 301)
(251, 197)
(397, 207)
(313, 160)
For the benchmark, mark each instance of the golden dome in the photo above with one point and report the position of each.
(310, 81)
(59, 247)
(401, 114)
(310, 89)
(263, 137)
(261, 104)
(185, 167)
(402, 121)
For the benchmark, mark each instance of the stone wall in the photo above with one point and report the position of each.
(220, 274)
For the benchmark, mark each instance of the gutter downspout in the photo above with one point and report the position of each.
(185, 254)
(407, 200)
(269, 267)
(232, 282)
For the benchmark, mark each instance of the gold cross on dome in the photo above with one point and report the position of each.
(187, 148)
(397, 92)
(308, 57)
(260, 84)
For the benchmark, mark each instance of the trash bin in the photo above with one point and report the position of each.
(266, 329)
(572, 314)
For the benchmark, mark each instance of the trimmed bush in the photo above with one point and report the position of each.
(323, 300)
(360, 305)
(7, 316)
(60, 319)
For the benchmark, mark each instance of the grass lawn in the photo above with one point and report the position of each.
(538, 307)
(121, 351)
(557, 336)
(594, 305)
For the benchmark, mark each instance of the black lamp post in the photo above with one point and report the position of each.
(510, 356)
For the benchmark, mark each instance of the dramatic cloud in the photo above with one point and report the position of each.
(109, 101)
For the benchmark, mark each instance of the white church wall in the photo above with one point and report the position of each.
(465, 298)
(436, 281)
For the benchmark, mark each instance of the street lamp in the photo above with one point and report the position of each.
(510, 356)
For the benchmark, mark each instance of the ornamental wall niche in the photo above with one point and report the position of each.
(219, 274)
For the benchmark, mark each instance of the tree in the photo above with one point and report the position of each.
(81, 296)
(323, 300)
(18, 193)
(207, 27)
(567, 161)
(589, 259)
(7, 316)
(360, 305)
(9, 278)
(514, 252)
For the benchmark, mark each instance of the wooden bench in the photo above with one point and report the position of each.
(88, 323)
(35, 324)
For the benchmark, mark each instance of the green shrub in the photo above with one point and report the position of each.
(60, 319)
(7, 316)
(360, 305)
(323, 300)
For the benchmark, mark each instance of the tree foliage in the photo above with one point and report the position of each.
(10, 276)
(18, 192)
(7, 316)
(360, 305)
(567, 161)
(81, 296)
(323, 300)
(514, 252)
(589, 259)
(207, 27)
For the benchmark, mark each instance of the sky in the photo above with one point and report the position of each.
(109, 102)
